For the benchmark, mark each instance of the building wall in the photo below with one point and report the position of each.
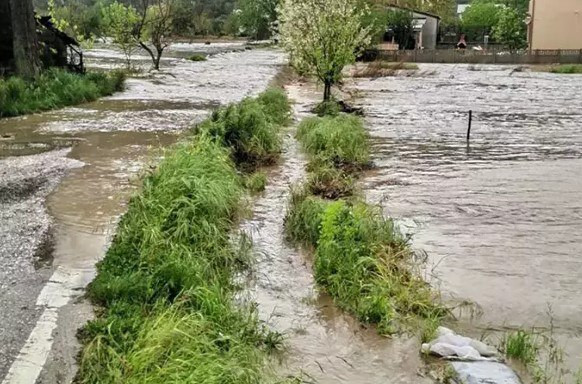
(430, 32)
(556, 24)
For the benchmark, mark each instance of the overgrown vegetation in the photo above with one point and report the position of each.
(165, 290)
(340, 140)
(249, 128)
(361, 259)
(55, 89)
(256, 181)
(567, 69)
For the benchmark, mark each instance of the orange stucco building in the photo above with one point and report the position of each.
(555, 24)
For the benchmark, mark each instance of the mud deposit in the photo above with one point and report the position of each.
(325, 344)
(501, 219)
(40, 309)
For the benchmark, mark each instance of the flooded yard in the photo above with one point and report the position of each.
(501, 218)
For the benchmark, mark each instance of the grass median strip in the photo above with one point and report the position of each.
(361, 259)
(54, 89)
(166, 300)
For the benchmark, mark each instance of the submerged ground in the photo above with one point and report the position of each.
(501, 219)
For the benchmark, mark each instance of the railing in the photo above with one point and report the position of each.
(497, 56)
(75, 59)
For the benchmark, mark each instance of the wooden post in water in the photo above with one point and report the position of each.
(470, 122)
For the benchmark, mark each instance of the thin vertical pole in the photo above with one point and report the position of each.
(470, 122)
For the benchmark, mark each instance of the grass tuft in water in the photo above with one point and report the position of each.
(197, 57)
(340, 140)
(250, 128)
(256, 182)
(55, 89)
(521, 345)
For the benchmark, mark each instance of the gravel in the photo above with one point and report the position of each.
(25, 242)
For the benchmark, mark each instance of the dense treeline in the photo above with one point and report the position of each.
(251, 18)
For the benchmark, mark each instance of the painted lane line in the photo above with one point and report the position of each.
(63, 286)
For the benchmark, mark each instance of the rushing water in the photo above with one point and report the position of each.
(115, 138)
(502, 218)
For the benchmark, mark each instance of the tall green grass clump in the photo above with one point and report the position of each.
(167, 307)
(303, 219)
(55, 89)
(521, 345)
(341, 140)
(367, 266)
(250, 128)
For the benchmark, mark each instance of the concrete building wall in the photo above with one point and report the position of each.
(430, 32)
(556, 24)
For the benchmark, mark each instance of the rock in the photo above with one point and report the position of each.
(484, 372)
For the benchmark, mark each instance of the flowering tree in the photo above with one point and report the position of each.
(322, 37)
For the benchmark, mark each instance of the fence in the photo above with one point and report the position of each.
(483, 57)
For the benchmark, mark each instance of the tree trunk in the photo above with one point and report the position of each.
(155, 60)
(327, 91)
(25, 42)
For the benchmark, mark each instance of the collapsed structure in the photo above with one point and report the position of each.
(56, 48)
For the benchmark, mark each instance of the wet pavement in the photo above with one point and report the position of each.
(501, 219)
(114, 138)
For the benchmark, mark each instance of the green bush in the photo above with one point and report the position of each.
(276, 105)
(340, 140)
(198, 57)
(55, 89)
(366, 265)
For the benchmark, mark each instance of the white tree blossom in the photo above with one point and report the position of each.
(322, 37)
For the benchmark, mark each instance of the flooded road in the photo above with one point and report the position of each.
(501, 219)
(325, 345)
(112, 139)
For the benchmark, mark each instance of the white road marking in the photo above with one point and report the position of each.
(64, 285)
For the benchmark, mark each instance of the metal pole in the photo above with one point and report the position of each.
(470, 122)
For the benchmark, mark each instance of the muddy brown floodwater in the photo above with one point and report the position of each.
(325, 345)
(114, 138)
(502, 218)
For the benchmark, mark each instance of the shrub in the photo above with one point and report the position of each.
(340, 140)
(197, 57)
(55, 89)
(366, 265)
(384, 69)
